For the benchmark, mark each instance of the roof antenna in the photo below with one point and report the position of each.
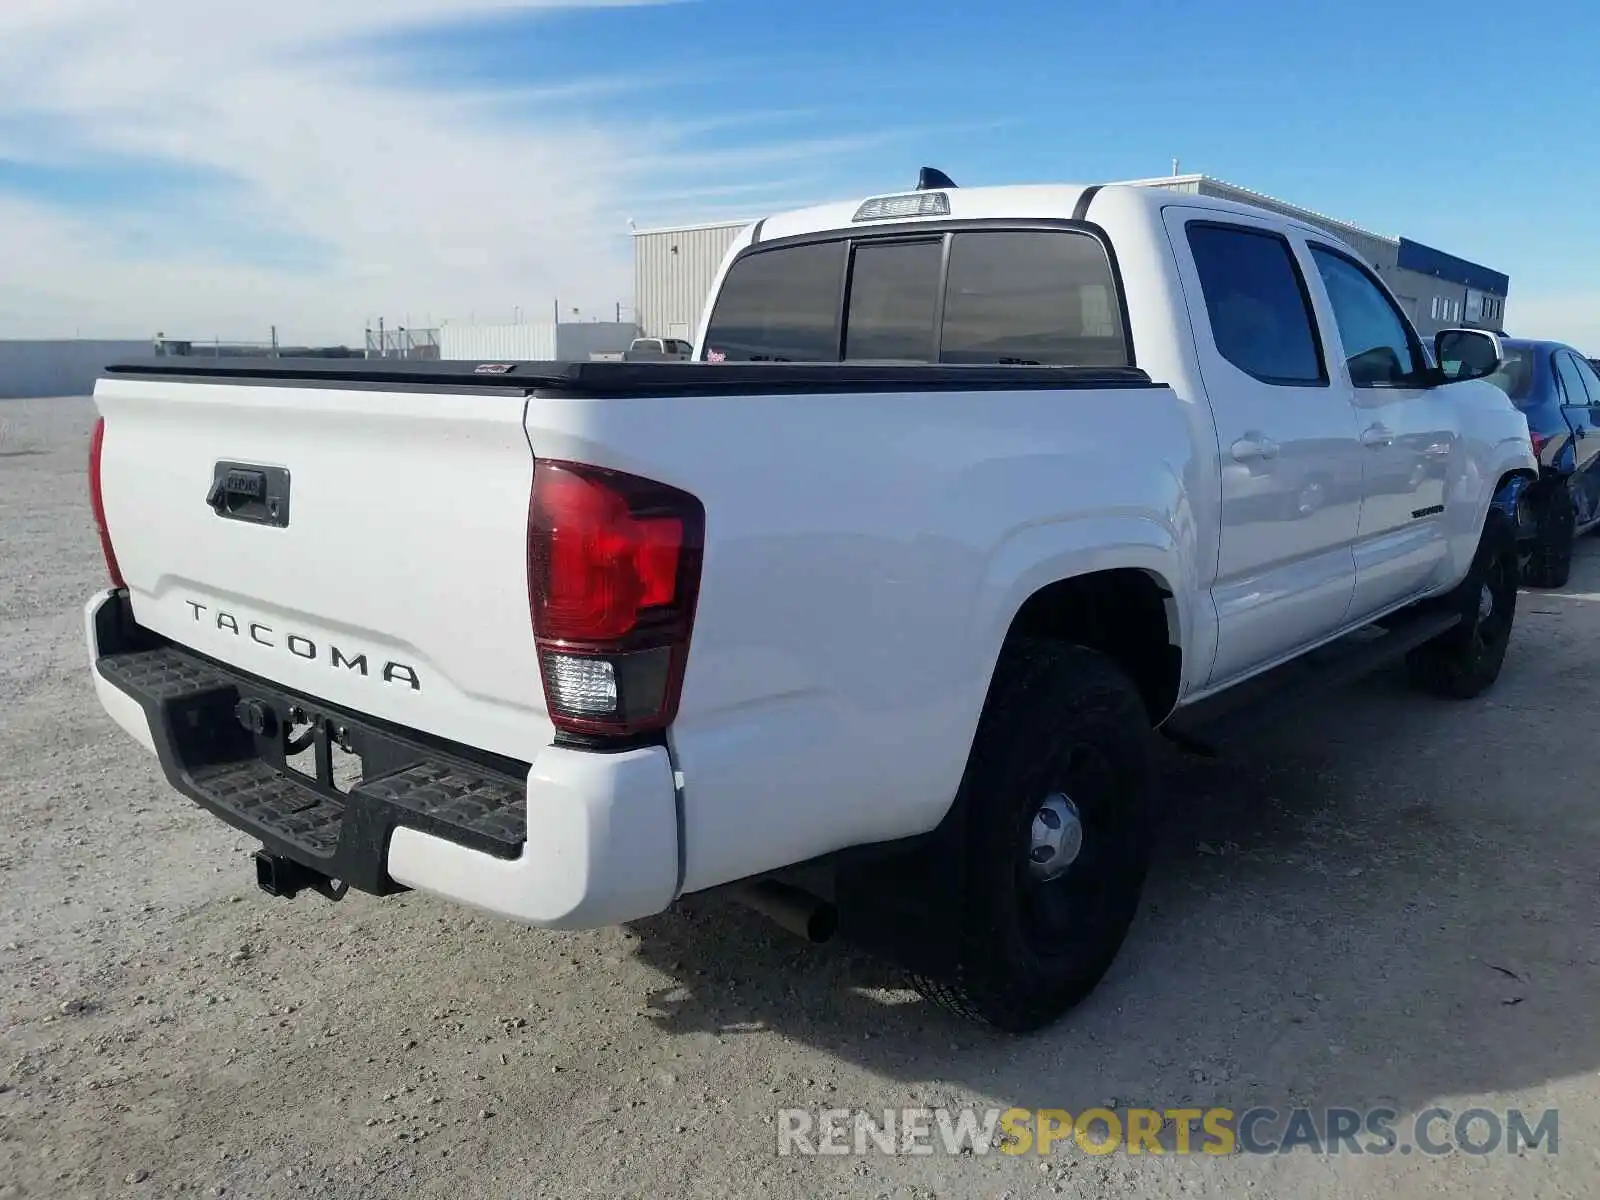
(931, 177)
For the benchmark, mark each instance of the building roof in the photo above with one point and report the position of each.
(1425, 260)
(1250, 196)
(691, 228)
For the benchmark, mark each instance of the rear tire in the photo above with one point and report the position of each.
(1465, 661)
(1063, 747)
(1550, 563)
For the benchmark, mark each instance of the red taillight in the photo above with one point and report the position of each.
(1540, 441)
(98, 504)
(613, 572)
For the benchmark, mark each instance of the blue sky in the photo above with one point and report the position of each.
(455, 157)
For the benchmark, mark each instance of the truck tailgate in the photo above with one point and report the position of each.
(392, 582)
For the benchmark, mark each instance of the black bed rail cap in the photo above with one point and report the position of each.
(600, 379)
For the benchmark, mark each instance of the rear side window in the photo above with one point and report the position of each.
(1020, 297)
(1033, 298)
(1257, 304)
(1591, 381)
(894, 301)
(1573, 391)
(780, 306)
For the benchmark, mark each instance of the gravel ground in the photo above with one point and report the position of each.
(1386, 901)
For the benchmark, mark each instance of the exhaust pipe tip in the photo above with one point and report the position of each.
(824, 923)
(801, 913)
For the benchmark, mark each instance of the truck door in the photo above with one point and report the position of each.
(1290, 462)
(1408, 433)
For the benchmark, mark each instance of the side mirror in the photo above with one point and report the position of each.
(1467, 353)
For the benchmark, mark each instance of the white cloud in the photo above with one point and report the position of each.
(420, 203)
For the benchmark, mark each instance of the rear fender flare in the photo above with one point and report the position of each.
(1037, 556)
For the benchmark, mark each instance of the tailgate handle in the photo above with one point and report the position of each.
(245, 492)
(244, 485)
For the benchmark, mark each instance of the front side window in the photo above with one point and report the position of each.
(1377, 345)
(1255, 299)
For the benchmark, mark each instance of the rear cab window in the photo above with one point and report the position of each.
(1515, 377)
(981, 296)
(780, 306)
(894, 301)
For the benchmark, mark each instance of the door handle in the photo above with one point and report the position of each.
(1376, 436)
(1254, 445)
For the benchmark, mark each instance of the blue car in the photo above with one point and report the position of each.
(1558, 390)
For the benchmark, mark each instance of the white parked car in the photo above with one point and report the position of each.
(647, 349)
(868, 617)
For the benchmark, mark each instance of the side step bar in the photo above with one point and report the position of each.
(1201, 727)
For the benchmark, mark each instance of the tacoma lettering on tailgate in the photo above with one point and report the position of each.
(301, 646)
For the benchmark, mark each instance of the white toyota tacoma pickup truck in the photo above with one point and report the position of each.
(867, 615)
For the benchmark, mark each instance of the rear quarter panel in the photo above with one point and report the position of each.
(865, 555)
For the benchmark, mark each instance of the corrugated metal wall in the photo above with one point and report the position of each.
(673, 271)
(60, 368)
(511, 343)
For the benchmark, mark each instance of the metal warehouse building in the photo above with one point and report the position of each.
(674, 269)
